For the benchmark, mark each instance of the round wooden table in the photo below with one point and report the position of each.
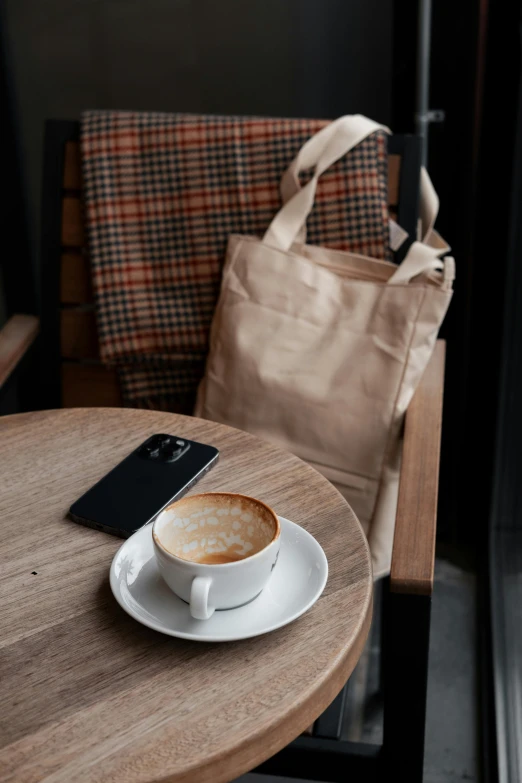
(87, 693)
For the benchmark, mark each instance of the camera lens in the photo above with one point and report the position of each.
(172, 454)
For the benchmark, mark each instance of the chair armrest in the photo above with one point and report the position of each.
(16, 337)
(413, 555)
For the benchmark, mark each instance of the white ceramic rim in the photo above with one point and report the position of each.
(177, 559)
(209, 638)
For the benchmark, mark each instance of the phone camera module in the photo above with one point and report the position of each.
(172, 454)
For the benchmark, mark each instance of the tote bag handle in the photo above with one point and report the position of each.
(360, 127)
(322, 150)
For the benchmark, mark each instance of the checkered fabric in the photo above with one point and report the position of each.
(162, 194)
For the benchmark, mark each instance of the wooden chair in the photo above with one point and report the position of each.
(74, 377)
(17, 337)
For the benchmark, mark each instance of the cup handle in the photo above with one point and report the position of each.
(199, 608)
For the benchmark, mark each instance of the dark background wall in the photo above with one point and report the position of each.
(267, 57)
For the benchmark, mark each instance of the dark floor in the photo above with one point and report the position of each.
(452, 723)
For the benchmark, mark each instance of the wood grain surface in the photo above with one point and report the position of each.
(89, 695)
(90, 385)
(73, 226)
(413, 556)
(72, 168)
(78, 334)
(75, 279)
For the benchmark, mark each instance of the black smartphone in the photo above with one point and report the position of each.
(159, 471)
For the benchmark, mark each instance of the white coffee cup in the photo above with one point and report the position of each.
(216, 550)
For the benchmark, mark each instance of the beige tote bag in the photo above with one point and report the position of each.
(320, 351)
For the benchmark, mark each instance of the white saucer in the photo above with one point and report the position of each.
(296, 583)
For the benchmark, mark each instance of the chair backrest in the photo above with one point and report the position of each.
(72, 373)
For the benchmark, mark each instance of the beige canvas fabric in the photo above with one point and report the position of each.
(320, 351)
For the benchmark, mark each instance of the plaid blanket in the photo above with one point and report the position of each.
(162, 194)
